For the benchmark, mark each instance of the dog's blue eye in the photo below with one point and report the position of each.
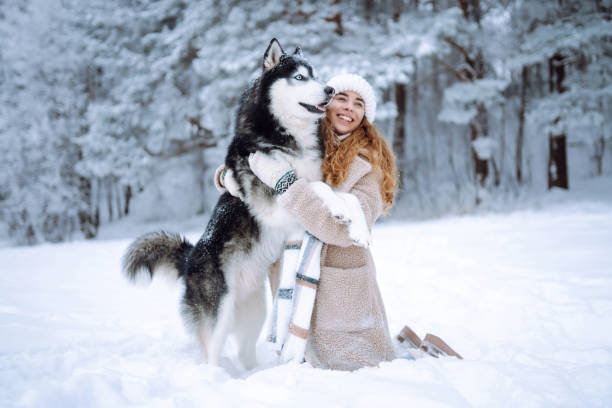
(299, 77)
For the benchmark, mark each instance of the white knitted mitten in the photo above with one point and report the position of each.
(273, 170)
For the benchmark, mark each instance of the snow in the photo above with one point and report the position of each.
(461, 99)
(484, 146)
(97, 97)
(524, 296)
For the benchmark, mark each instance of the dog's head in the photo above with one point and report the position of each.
(294, 92)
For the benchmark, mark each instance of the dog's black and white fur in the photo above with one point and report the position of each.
(224, 273)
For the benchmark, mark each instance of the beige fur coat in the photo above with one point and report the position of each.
(349, 326)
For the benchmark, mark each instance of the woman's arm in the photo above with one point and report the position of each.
(219, 178)
(312, 213)
(312, 205)
(225, 181)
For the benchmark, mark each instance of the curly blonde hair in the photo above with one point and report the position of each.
(364, 140)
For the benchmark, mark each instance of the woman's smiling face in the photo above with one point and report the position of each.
(346, 111)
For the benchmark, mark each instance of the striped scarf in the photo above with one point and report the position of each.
(294, 301)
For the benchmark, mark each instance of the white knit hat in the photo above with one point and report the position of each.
(356, 83)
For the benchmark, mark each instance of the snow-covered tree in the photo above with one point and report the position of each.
(112, 107)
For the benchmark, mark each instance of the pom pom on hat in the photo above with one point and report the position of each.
(356, 83)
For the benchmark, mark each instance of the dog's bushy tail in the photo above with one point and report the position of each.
(156, 252)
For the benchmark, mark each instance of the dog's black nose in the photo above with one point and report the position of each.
(329, 90)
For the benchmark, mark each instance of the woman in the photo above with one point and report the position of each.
(349, 325)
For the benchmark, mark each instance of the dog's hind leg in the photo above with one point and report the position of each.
(203, 335)
(225, 318)
(249, 319)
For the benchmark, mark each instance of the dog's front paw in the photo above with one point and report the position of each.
(358, 229)
(342, 218)
(359, 235)
(336, 205)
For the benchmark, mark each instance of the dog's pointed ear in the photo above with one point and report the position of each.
(273, 55)
(298, 52)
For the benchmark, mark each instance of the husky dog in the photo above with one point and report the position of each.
(224, 273)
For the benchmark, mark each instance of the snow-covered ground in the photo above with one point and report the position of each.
(525, 297)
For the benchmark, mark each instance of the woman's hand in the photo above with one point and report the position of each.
(273, 170)
(225, 181)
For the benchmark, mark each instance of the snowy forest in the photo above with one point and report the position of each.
(124, 108)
